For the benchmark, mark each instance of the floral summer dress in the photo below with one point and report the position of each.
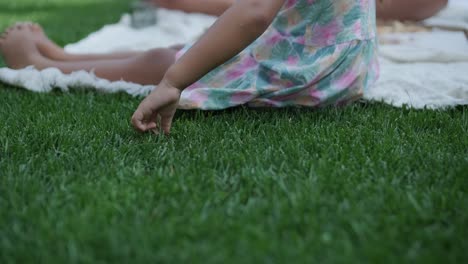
(316, 53)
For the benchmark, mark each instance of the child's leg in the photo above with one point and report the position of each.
(65, 56)
(147, 68)
(19, 49)
(54, 52)
(413, 10)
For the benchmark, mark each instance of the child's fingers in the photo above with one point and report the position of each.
(139, 122)
(136, 120)
(166, 124)
(145, 127)
(139, 125)
(151, 126)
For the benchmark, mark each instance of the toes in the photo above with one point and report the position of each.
(28, 24)
(36, 27)
(5, 33)
(16, 26)
(22, 25)
(19, 26)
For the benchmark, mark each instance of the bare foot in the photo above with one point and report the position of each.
(46, 47)
(17, 45)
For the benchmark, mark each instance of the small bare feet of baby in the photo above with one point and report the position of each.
(18, 48)
(46, 47)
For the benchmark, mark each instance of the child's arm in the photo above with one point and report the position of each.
(238, 27)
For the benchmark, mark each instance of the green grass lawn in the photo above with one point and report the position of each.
(365, 184)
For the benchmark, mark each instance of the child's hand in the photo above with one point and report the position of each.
(160, 104)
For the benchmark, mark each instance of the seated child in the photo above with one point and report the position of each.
(276, 53)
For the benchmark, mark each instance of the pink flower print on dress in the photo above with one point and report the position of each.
(290, 3)
(242, 97)
(301, 40)
(274, 39)
(326, 34)
(316, 94)
(193, 98)
(315, 53)
(357, 28)
(346, 80)
(244, 66)
(292, 60)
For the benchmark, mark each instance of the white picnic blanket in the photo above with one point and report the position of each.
(427, 69)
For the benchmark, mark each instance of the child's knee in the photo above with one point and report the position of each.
(164, 57)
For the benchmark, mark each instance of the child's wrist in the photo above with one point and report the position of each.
(171, 78)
